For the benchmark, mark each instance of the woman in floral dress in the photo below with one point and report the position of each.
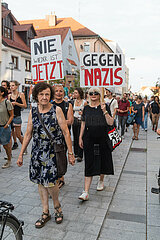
(43, 169)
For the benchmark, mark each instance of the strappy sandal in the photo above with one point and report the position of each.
(136, 138)
(58, 214)
(133, 137)
(42, 221)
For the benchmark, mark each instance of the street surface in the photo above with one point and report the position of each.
(125, 210)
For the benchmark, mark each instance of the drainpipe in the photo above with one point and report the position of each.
(95, 43)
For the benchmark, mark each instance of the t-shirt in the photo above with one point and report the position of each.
(155, 107)
(138, 107)
(123, 105)
(4, 116)
(113, 105)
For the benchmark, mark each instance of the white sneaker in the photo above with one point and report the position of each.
(100, 185)
(84, 196)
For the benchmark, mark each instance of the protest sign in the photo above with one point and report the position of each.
(46, 58)
(102, 69)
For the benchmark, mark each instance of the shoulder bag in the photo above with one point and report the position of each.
(114, 139)
(60, 151)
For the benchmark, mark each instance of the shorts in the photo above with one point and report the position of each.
(17, 121)
(5, 135)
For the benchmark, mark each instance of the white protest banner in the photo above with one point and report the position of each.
(46, 57)
(102, 69)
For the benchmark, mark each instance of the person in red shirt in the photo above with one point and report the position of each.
(122, 112)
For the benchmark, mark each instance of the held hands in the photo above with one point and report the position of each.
(81, 142)
(71, 159)
(20, 161)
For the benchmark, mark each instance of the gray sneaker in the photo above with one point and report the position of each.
(6, 165)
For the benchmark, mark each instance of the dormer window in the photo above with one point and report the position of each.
(7, 32)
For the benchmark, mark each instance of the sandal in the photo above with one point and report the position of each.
(58, 214)
(133, 137)
(43, 220)
(61, 183)
(136, 138)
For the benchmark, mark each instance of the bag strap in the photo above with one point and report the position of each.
(111, 102)
(44, 127)
(7, 107)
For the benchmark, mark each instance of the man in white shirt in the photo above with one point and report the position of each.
(111, 102)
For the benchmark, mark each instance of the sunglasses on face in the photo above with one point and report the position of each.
(93, 93)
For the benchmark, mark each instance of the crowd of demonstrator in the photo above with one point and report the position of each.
(61, 112)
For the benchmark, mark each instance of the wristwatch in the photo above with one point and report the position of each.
(106, 112)
(70, 153)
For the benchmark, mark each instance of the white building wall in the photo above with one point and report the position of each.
(65, 51)
(18, 74)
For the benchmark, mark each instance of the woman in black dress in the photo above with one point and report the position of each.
(93, 139)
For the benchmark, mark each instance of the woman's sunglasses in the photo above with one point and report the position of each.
(93, 93)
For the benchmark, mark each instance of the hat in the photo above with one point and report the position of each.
(110, 90)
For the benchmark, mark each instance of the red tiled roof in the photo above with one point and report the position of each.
(17, 43)
(54, 31)
(71, 62)
(22, 27)
(76, 28)
(5, 13)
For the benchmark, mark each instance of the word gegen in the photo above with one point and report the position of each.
(103, 69)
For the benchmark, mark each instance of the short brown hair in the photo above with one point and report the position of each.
(39, 87)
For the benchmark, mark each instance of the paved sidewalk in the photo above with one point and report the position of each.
(84, 220)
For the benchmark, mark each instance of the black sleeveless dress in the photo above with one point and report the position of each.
(98, 157)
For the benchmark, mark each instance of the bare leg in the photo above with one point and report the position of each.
(43, 192)
(138, 130)
(54, 192)
(8, 149)
(18, 133)
(134, 129)
(102, 177)
(14, 135)
(87, 184)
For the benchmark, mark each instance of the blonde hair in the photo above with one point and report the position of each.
(15, 82)
(94, 89)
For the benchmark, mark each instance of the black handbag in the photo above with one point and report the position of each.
(113, 139)
(60, 151)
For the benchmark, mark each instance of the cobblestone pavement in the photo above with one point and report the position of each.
(124, 210)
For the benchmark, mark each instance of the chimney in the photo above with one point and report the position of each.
(52, 20)
(5, 5)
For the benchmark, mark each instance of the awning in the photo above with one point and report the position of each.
(71, 62)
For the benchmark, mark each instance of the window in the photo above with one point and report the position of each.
(70, 50)
(28, 65)
(7, 33)
(86, 47)
(15, 61)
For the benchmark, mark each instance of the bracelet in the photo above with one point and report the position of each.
(70, 153)
(106, 112)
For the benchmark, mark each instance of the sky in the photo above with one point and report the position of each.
(134, 25)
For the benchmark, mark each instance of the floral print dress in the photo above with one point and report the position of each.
(43, 168)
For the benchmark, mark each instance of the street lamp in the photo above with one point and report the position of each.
(11, 66)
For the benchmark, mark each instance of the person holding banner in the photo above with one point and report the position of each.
(43, 166)
(93, 139)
